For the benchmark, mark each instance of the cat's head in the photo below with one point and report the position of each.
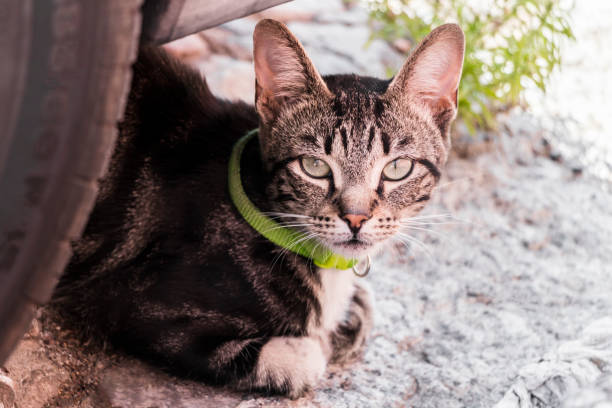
(352, 158)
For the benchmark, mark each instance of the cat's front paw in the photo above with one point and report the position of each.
(290, 365)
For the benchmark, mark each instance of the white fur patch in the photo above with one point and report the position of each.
(334, 295)
(298, 362)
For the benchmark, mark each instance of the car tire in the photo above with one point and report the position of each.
(64, 80)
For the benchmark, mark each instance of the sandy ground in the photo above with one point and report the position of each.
(514, 261)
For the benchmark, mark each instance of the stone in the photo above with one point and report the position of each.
(303, 10)
(327, 44)
(229, 78)
(224, 42)
(36, 377)
(596, 395)
(188, 47)
(7, 392)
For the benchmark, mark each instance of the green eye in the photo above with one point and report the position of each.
(398, 169)
(315, 168)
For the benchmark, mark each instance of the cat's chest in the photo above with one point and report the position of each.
(334, 294)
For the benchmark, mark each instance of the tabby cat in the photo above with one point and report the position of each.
(167, 268)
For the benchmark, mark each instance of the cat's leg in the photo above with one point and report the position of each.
(350, 335)
(289, 365)
(276, 365)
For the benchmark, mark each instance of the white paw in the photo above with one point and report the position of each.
(291, 364)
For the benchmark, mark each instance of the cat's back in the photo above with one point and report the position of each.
(171, 112)
(167, 172)
(174, 141)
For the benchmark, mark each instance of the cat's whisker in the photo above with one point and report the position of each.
(281, 220)
(285, 225)
(305, 238)
(284, 251)
(431, 223)
(310, 260)
(428, 216)
(438, 233)
(290, 223)
(284, 219)
(279, 257)
(436, 219)
(417, 242)
(401, 241)
(408, 245)
(302, 239)
(295, 222)
(281, 215)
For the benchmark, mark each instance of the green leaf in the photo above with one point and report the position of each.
(509, 44)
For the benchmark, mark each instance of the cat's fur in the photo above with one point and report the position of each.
(168, 270)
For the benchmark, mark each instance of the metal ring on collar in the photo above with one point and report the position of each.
(365, 271)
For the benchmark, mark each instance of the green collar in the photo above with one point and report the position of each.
(285, 237)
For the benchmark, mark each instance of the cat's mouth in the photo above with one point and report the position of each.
(352, 247)
(354, 243)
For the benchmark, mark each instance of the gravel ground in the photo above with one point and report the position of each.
(516, 265)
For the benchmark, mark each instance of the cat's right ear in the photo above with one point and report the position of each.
(431, 74)
(283, 71)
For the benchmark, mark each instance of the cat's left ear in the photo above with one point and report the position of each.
(283, 71)
(431, 74)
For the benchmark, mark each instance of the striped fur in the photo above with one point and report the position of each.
(168, 270)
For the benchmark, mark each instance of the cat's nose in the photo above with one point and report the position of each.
(355, 221)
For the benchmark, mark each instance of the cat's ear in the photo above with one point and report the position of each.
(283, 71)
(432, 72)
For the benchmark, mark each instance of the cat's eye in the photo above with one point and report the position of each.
(398, 169)
(314, 167)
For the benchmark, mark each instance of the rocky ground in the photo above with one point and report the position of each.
(489, 307)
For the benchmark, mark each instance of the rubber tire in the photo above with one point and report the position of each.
(64, 80)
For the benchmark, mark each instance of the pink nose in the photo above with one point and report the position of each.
(355, 221)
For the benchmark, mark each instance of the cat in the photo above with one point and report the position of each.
(168, 270)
